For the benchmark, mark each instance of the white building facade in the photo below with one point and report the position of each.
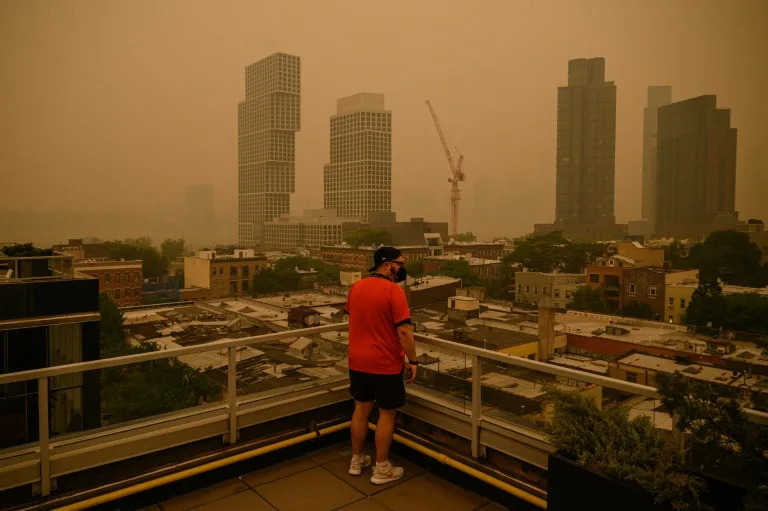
(358, 178)
(267, 122)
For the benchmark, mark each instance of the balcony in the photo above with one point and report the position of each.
(473, 417)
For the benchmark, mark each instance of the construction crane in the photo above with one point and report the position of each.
(457, 174)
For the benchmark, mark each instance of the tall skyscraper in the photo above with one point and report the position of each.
(586, 146)
(696, 183)
(658, 95)
(358, 179)
(267, 122)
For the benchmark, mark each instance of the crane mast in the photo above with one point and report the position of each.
(457, 173)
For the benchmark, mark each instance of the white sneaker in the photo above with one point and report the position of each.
(386, 474)
(358, 463)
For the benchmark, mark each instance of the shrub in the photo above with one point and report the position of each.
(631, 450)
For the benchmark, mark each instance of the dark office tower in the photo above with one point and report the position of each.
(658, 95)
(696, 182)
(586, 145)
(267, 123)
(358, 179)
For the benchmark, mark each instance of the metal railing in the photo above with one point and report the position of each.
(235, 411)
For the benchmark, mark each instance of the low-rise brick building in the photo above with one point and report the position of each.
(123, 281)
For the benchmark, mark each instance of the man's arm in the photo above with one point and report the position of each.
(408, 343)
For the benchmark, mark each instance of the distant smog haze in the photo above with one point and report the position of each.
(110, 110)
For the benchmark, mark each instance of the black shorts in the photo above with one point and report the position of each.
(388, 390)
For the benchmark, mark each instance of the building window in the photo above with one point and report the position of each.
(233, 271)
(117, 294)
(611, 262)
(594, 277)
(213, 272)
(544, 291)
(117, 278)
(135, 276)
(632, 377)
(631, 289)
(535, 290)
(246, 272)
(136, 292)
(532, 356)
(221, 270)
(557, 293)
(127, 277)
(527, 289)
(682, 303)
(519, 288)
(653, 291)
(108, 278)
(244, 285)
(568, 294)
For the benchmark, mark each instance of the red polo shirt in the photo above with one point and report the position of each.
(376, 307)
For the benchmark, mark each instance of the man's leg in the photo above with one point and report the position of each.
(359, 425)
(385, 429)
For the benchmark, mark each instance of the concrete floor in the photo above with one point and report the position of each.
(318, 481)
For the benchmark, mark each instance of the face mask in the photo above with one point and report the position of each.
(400, 274)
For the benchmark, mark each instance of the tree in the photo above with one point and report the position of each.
(642, 310)
(549, 252)
(577, 256)
(731, 257)
(746, 312)
(466, 237)
(171, 248)
(415, 268)
(154, 265)
(269, 280)
(141, 390)
(741, 312)
(460, 270)
(707, 307)
(368, 237)
(675, 254)
(25, 250)
(283, 276)
(587, 299)
(111, 336)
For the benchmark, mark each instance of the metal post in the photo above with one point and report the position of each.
(477, 405)
(232, 394)
(42, 414)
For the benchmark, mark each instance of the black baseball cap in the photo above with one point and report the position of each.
(384, 254)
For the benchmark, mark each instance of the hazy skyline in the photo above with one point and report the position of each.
(119, 105)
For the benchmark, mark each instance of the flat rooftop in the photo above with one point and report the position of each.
(260, 366)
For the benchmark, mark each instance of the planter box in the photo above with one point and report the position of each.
(571, 486)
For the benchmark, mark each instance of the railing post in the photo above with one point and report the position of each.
(477, 405)
(232, 394)
(44, 442)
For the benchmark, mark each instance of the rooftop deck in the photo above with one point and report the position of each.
(318, 481)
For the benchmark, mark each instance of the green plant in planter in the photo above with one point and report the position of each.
(631, 450)
(717, 424)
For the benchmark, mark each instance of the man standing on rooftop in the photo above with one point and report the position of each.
(380, 339)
